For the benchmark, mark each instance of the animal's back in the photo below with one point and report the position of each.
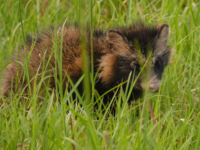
(38, 57)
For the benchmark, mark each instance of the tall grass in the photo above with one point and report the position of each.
(69, 122)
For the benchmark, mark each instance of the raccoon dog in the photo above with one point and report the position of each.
(117, 53)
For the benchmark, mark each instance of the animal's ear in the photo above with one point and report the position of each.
(116, 39)
(163, 33)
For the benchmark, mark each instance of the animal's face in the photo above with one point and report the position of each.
(139, 50)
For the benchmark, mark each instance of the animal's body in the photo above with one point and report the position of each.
(116, 53)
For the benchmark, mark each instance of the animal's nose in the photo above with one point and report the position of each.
(154, 85)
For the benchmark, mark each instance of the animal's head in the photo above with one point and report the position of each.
(129, 50)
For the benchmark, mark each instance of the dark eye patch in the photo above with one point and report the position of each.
(159, 67)
(158, 63)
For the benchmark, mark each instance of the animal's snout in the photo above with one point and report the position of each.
(154, 85)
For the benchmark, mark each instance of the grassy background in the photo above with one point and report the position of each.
(176, 106)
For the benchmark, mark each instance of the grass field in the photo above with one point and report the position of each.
(56, 125)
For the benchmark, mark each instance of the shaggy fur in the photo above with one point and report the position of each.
(117, 53)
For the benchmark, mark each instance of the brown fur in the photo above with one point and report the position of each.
(114, 52)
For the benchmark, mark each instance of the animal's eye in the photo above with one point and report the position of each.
(158, 63)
